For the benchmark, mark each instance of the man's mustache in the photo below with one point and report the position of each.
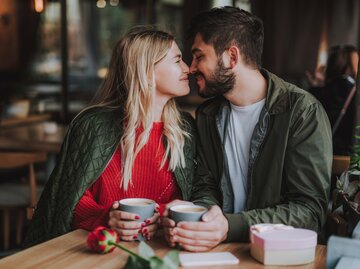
(198, 74)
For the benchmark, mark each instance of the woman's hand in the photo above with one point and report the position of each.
(127, 226)
(151, 226)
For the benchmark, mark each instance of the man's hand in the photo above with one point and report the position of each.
(167, 223)
(203, 235)
(128, 228)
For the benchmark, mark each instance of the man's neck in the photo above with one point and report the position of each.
(250, 87)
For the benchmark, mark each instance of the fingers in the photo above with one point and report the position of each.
(200, 236)
(212, 213)
(153, 219)
(115, 205)
(194, 236)
(167, 222)
(199, 226)
(125, 224)
(117, 214)
(129, 238)
(149, 231)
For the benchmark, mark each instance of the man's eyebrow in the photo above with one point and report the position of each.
(194, 50)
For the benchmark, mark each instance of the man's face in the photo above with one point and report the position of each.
(212, 77)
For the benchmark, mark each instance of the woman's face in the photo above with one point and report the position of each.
(354, 62)
(171, 75)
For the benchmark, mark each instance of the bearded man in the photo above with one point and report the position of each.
(266, 143)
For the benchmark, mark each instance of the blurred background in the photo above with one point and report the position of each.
(55, 52)
(54, 55)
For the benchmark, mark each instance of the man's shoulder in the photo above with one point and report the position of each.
(287, 92)
(188, 121)
(210, 106)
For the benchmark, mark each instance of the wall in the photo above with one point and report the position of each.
(9, 39)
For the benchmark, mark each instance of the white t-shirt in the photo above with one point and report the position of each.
(237, 147)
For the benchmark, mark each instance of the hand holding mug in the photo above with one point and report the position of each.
(134, 219)
(203, 235)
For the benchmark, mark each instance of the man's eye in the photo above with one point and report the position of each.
(198, 58)
(178, 61)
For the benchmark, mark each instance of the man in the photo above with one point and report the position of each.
(266, 142)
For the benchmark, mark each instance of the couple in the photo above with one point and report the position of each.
(260, 150)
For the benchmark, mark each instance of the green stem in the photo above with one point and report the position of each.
(128, 251)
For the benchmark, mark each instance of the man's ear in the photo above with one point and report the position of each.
(234, 56)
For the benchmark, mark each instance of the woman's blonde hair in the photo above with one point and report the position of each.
(130, 85)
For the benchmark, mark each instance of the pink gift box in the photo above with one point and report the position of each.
(278, 244)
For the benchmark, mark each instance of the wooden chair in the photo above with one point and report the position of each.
(18, 197)
(340, 164)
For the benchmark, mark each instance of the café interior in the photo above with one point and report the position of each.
(54, 55)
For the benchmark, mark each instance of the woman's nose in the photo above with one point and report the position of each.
(185, 68)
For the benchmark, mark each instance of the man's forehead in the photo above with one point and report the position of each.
(198, 41)
(198, 44)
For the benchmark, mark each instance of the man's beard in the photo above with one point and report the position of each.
(219, 83)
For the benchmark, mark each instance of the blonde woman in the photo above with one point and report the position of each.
(134, 142)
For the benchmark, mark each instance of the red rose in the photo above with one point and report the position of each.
(99, 240)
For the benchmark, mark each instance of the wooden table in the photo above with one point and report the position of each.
(9, 122)
(69, 251)
(31, 137)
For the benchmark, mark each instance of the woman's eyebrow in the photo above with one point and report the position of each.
(177, 56)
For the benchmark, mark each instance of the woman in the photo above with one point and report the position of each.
(340, 75)
(132, 143)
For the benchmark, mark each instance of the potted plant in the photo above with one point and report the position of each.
(346, 196)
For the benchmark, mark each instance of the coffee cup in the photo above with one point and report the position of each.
(187, 212)
(143, 207)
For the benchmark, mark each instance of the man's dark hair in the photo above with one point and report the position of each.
(226, 26)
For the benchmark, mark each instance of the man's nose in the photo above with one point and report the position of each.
(193, 67)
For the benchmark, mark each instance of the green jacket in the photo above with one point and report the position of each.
(89, 145)
(289, 163)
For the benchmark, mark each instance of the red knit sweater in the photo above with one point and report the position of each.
(148, 181)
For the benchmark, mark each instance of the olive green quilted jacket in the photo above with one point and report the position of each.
(90, 143)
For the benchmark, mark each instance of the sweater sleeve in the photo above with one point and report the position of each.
(88, 214)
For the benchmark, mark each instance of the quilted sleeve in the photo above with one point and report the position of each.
(88, 146)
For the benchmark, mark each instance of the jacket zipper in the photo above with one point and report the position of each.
(252, 167)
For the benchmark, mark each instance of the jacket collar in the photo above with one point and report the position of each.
(277, 97)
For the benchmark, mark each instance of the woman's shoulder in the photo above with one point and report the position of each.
(96, 114)
(96, 120)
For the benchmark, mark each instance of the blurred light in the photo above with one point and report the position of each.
(114, 3)
(101, 3)
(39, 6)
(102, 72)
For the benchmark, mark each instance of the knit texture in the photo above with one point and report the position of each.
(148, 181)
